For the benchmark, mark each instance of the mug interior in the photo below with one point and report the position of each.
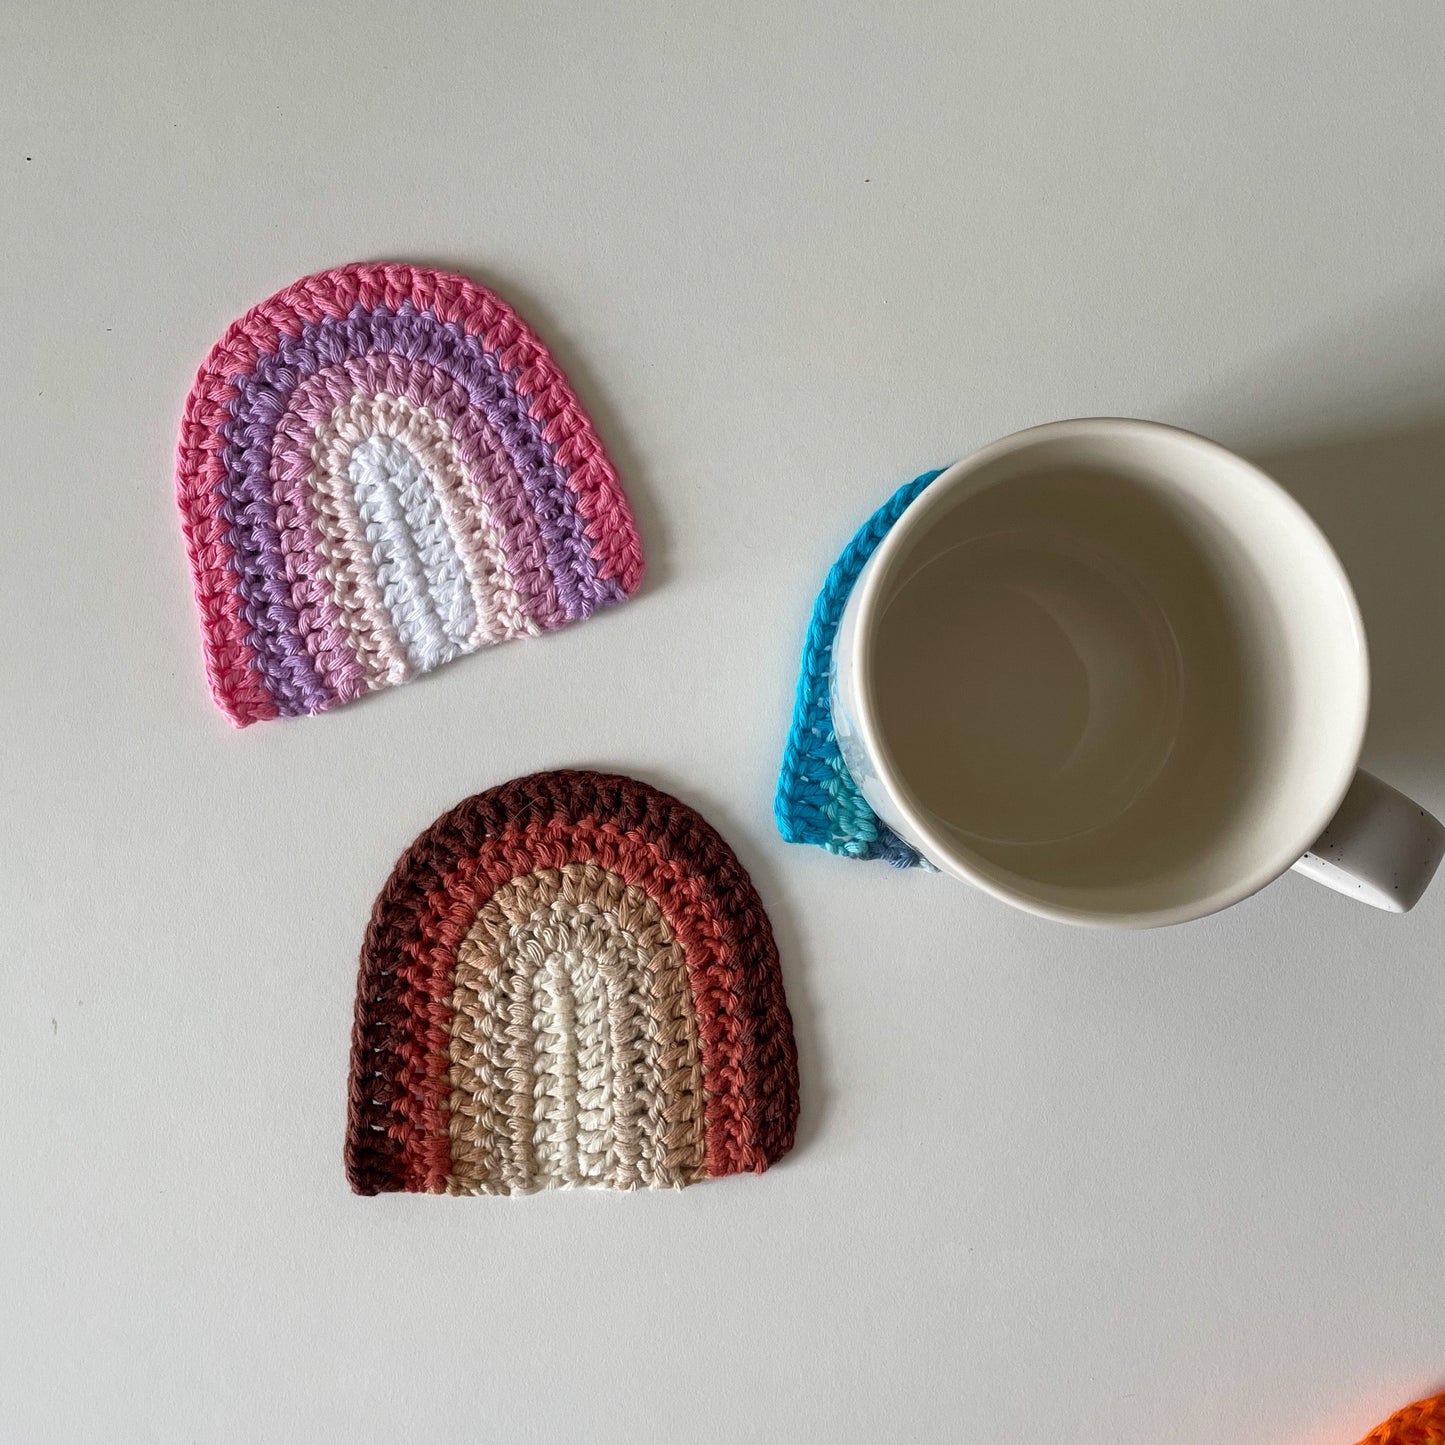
(1112, 672)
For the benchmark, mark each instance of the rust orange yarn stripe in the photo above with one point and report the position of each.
(568, 980)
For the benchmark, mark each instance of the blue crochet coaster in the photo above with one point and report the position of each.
(817, 801)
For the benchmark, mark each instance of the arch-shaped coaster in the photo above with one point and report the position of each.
(381, 468)
(568, 980)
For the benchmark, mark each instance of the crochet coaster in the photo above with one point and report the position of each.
(381, 468)
(568, 980)
(1422, 1423)
(817, 800)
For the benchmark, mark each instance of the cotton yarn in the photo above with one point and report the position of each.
(381, 468)
(1422, 1423)
(568, 980)
(817, 800)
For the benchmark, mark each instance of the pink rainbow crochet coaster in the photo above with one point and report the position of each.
(380, 469)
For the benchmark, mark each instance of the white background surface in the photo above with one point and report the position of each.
(1182, 1187)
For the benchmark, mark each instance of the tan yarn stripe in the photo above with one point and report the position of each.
(638, 1027)
(478, 1121)
(514, 977)
(616, 1088)
(624, 974)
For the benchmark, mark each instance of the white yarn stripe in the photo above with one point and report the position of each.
(420, 582)
(446, 572)
(392, 496)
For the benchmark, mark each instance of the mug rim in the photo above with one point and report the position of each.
(913, 522)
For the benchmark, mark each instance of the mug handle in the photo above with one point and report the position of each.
(1380, 847)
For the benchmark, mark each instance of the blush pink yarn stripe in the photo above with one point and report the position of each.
(314, 593)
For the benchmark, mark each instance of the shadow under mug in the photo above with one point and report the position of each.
(1111, 673)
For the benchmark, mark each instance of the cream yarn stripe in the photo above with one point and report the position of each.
(616, 1092)
(555, 1111)
(350, 563)
(594, 1077)
(514, 992)
(500, 613)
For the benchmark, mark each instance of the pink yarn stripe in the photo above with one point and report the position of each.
(496, 489)
(480, 312)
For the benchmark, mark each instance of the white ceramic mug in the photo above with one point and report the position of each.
(1112, 673)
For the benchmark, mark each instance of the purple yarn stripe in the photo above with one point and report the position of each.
(258, 407)
(490, 475)
(266, 603)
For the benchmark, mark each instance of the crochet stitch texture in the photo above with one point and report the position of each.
(817, 800)
(568, 980)
(1422, 1423)
(382, 468)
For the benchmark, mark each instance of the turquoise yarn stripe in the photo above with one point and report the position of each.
(817, 800)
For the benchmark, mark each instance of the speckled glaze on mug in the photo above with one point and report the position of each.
(1113, 674)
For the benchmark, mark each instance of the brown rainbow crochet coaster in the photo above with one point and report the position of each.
(568, 980)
